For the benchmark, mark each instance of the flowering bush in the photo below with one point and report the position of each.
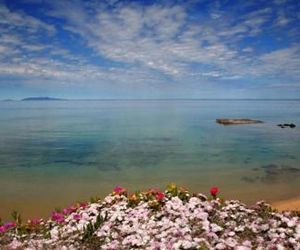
(173, 219)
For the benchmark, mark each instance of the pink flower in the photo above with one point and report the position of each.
(69, 210)
(2, 229)
(58, 217)
(76, 216)
(160, 196)
(66, 211)
(214, 191)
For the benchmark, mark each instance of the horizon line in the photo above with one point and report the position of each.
(149, 99)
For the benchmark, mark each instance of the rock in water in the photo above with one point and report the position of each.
(291, 125)
(237, 121)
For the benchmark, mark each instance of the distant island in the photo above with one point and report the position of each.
(7, 100)
(42, 99)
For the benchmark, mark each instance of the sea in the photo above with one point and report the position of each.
(55, 153)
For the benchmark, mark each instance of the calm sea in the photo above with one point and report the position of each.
(53, 153)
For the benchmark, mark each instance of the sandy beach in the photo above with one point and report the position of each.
(290, 204)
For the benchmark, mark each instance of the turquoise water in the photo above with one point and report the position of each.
(53, 153)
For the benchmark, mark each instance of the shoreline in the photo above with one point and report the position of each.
(288, 204)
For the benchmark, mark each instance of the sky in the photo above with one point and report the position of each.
(112, 49)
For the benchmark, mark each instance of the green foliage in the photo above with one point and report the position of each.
(91, 228)
(154, 204)
(247, 234)
(202, 247)
(57, 209)
(16, 217)
(95, 199)
(265, 211)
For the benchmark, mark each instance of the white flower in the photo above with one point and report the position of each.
(220, 246)
(231, 242)
(215, 228)
(243, 248)
(292, 223)
(14, 244)
(280, 247)
(54, 233)
(231, 233)
(239, 228)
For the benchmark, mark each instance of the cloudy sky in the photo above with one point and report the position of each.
(150, 49)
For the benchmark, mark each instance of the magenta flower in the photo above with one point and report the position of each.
(2, 229)
(118, 189)
(10, 224)
(76, 216)
(58, 217)
(66, 211)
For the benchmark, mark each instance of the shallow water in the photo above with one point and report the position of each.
(53, 153)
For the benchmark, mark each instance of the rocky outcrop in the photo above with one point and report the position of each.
(237, 121)
(287, 125)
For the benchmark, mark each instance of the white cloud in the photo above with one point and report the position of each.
(15, 20)
(282, 20)
(248, 49)
(157, 37)
(283, 61)
(151, 43)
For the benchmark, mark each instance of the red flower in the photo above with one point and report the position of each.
(83, 205)
(160, 196)
(214, 191)
(34, 222)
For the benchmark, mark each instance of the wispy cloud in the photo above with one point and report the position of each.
(162, 37)
(19, 20)
(155, 43)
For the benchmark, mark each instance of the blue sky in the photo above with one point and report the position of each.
(150, 49)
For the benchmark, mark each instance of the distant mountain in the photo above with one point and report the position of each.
(42, 99)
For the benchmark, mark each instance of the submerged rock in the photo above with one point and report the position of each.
(237, 121)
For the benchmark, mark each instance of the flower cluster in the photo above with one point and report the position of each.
(6, 226)
(173, 219)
